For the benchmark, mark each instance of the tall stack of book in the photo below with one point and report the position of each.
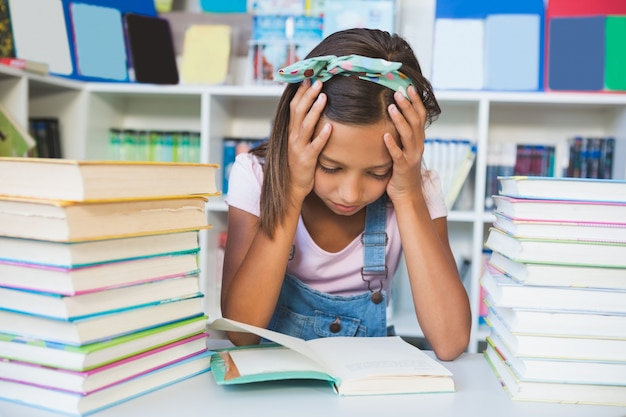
(556, 289)
(100, 299)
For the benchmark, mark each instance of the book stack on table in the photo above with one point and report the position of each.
(100, 299)
(556, 289)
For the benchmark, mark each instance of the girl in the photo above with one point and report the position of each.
(320, 214)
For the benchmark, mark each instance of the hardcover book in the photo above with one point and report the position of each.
(66, 221)
(553, 251)
(100, 327)
(504, 291)
(559, 392)
(75, 255)
(560, 370)
(106, 301)
(92, 355)
(559, 275)
(560, 210)
(577, 347)
(77, 404)
(563, 188)
(351, 365)
(72, 180)
(87, 382)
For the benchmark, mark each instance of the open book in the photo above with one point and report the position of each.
(352, 365)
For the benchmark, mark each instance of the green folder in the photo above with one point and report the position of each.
(615, 68)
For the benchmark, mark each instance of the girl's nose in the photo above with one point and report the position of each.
(350, 190)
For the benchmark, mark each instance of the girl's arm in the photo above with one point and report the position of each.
(441, 302)
(255, 263)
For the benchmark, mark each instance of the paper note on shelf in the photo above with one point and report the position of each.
(206, 54)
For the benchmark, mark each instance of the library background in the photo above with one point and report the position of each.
(527, 88)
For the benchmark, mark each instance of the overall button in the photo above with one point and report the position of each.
(376, 297)
(335, 326)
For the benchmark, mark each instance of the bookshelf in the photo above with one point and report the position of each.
(87, 110)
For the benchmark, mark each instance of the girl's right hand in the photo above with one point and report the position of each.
(303, 149)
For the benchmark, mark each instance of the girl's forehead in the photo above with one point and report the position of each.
(358, 145)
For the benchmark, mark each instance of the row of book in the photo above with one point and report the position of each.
(100, 295)
(47, 135)
(231, 147)
(555, 289)
(591, 157)
(453, 160)
(161, 146)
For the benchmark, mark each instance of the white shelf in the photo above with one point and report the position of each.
(88, 110)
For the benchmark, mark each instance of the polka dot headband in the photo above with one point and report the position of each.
(324, 67)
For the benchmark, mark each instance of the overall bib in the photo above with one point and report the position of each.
(304, 312)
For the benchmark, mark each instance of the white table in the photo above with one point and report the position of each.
(478, 394)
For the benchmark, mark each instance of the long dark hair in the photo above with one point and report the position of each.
(349, 101)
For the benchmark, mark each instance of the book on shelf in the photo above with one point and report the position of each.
(461, 171)
(105, 301)
(77, 404)
(563, 188)
(351, 365)
(559, 392)
(554, 322)
(560, 370)
(102, 326)
(541, 345)
(28, 65)
(73, 180)
(553, 251)
(75, 255)
(93, 355)
(506, 292)
(98, 277)
(559, 275)
(67, 221)
(47, 134)
(566, 230)
(86, 382)
(15, 140)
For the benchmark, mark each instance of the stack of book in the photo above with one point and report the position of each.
(100, 299)
(556, 289)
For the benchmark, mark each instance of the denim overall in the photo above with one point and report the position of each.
(306, 313)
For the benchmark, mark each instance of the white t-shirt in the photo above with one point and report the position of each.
(333, 273)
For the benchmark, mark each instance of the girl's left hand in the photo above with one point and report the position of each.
(409, 119)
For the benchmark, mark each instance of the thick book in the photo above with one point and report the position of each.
(74, 180)
(100, 327)
(73, 255)
(558, 252)
(72, 307)
(65, 221)
(560, 210)
(558, 392)
(559, 275)
(504, 291)
(553, 322)
(92, 355)
(99, 277)
(560, 370)
(86, 382)
(555, 346)
(80, 405)
(563, 188)
(352, 366)
(566, 230)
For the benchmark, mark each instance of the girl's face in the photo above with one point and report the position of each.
(354, 167)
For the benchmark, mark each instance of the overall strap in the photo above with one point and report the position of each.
(374, 241)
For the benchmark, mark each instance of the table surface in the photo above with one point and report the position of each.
(478, 393)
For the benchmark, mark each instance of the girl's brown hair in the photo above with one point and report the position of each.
(349, 101)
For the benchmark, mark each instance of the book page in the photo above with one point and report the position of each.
(352, 358)
(261, 360)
